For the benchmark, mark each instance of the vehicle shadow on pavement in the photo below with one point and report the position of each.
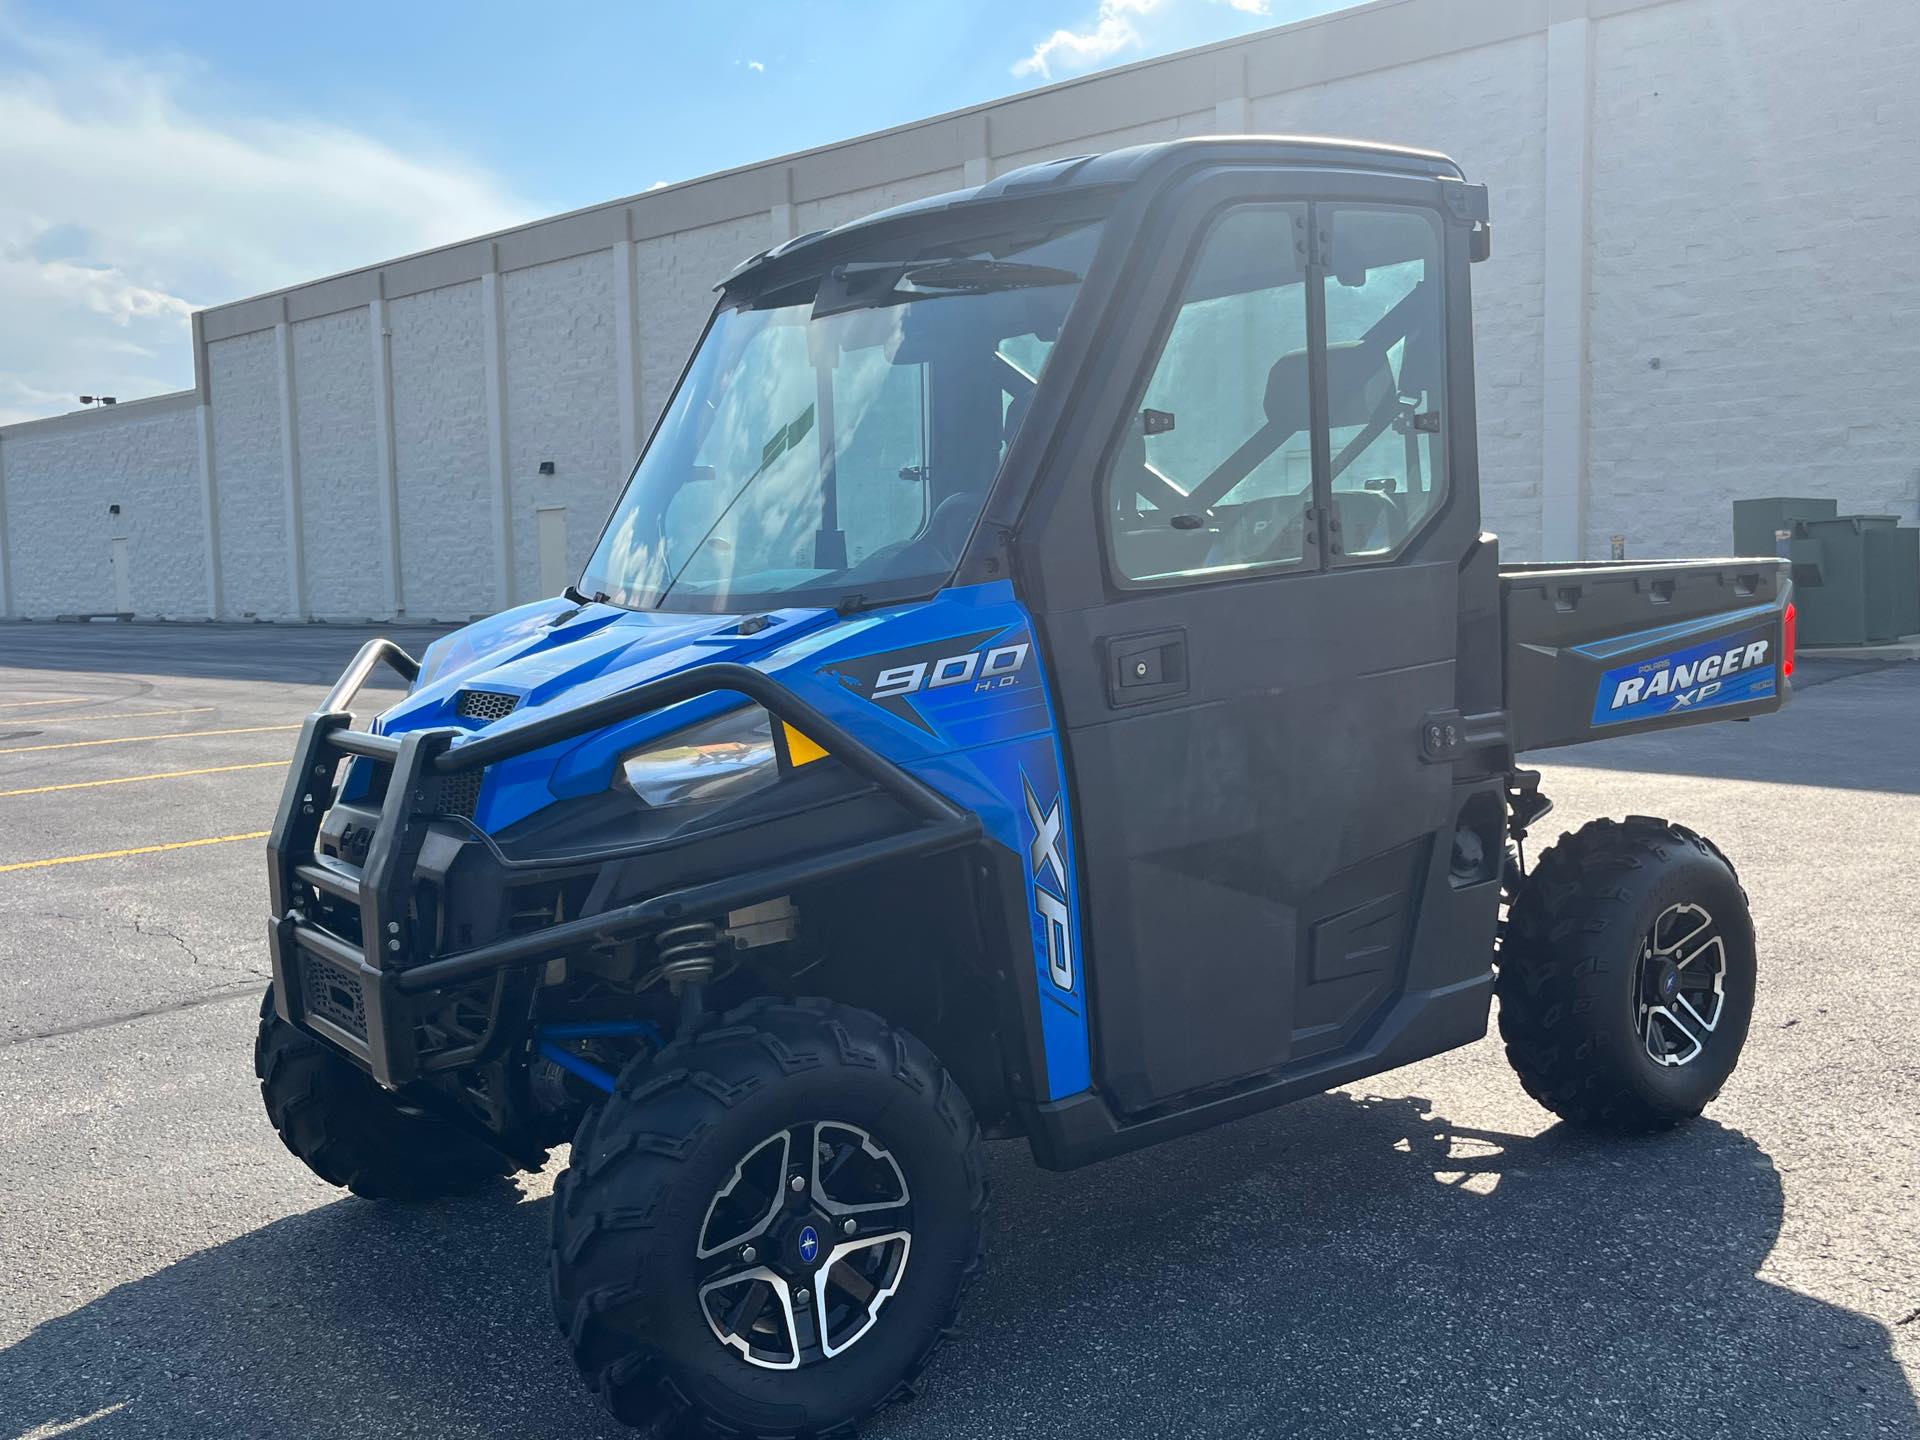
(1349, 1267)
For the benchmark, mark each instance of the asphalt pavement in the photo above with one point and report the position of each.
(1424, 1254)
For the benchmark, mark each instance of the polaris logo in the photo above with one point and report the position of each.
(983, 670)
(1047, 852)
(1692, 682)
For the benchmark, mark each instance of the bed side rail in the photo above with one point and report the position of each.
(1598, 650)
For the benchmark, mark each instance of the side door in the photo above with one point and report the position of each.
(1252, 609)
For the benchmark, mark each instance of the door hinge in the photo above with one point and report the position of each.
(1447, 735)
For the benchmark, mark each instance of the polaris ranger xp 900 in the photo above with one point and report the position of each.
(1045, 676)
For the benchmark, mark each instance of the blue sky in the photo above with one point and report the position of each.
(158, 156)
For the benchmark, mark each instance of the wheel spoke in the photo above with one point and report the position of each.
(855, 1153)
(756, 1228)
(852, 1281)
(1704, 1023)
(736, 1333)
(1712, 943)
(741, 1321)
(1674, 945)
(879, 1295)
(1692, 1040)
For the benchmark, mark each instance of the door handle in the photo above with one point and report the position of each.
(1146, 667)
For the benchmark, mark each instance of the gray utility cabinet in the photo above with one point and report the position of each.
(1856, 578)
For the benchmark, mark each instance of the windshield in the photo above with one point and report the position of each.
(837, 436)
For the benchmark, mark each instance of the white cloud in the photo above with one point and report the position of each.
(759, 67)
(125, 208)
(1111, 31)
(1123, 25)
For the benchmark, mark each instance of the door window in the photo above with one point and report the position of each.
(1214, 470)
(1214, 473)
(1385, 363)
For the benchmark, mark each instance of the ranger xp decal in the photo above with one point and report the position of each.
(1724, 671)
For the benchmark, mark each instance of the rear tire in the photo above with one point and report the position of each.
(350, 1132)
(679, 1313)
(1627, 975)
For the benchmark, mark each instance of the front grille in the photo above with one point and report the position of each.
(459, 794)
(333, 994)
(486, 704)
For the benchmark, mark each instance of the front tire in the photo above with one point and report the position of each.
(795, 1147)
(1627, 975)
(350, 1132)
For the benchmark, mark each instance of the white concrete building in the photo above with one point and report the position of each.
(1703, 287)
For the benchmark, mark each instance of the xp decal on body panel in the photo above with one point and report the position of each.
(1722, 671)
(978, 691)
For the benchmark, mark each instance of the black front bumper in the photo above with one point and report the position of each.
(355, 950)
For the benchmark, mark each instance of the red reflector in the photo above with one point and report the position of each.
(1789, 634)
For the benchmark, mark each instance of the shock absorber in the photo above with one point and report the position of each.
(687, 955)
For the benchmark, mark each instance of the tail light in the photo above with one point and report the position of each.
(1789, 634)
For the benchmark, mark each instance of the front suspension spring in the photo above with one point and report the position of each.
(687, 953)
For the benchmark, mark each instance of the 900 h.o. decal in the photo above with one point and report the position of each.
(959, 665)
(983, 670)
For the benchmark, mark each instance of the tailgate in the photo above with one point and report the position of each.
(1613, 648)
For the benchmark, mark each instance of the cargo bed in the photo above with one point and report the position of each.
(1608, 648)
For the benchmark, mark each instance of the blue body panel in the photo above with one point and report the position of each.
(951, 689)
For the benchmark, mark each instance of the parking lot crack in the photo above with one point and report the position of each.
(161, 930)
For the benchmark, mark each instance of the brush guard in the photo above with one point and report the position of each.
(355, 992)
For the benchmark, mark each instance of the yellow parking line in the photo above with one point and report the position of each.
(136, 850)
(159, 775)
(129, 715)
(28, 704)
(130, 739)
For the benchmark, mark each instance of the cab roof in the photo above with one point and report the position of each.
(1121, 168)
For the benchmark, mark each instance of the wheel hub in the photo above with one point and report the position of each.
(1680, 985)
(804, 1244)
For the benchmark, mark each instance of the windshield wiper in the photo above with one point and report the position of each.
(784, 439)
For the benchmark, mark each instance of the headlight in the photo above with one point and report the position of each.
(719, 759)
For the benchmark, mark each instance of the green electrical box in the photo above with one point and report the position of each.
(1856, 578)
(1893, 566)
(1758, 523)
(1851, 602)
